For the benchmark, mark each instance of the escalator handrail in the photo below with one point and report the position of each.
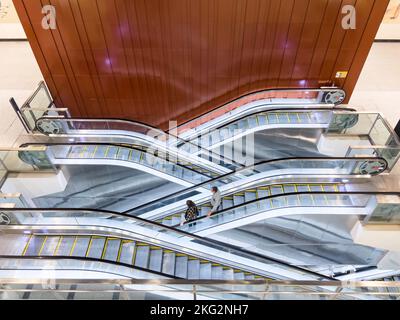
(212, 242)
(90, 259)
(385, 193)
(181, 140)
(257, 92)
(102, 144)
(312, 109)
(254, 165)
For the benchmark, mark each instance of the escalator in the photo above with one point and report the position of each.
(255, 193)
(313, 118)
(201, 150)
(119, 238)
(131, 253)
(180, 172)
(311, 202)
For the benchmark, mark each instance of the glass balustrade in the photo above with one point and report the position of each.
(76, 289)
(334, 167)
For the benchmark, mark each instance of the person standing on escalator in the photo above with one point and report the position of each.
(215, 201)
(192, 212)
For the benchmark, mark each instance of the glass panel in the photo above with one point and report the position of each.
(26, 159)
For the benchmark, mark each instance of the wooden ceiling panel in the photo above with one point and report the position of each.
(160, 60)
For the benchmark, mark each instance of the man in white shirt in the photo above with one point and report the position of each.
(215, 201)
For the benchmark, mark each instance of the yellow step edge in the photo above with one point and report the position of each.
(73, 246)
(181, 255)
(42, 246)
(120, 250)
(58, 245)
(27, 245)
(105, 246)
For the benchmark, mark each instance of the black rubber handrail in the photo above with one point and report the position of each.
(202, 240)
(104, 144)
(294, 194)
(177, 193)
(255, 92)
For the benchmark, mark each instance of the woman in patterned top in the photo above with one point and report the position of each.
(191, 212)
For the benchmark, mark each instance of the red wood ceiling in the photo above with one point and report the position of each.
(157, 60)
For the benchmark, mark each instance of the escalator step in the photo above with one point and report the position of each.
(123, 153)
(135, 155)
(96, 246)
(243, 124)
(155, 262)
(112, 249)
(50, 246)
(293, 118)
(238, 276)
(227, 274)
(65, 246)
(252, 122)
(262, 193)
(80, 246)
(227, 203)
(181, 267)
(216, 273)
(289, 188)
(249, 277)
(249, 196)
(168, 263)
(35, 245)
(205, 270)
(194, 269)
(283, 118)
(238, 199)
(142, 256)
(303, 117)
(175, 220)
(262, 120)
(127, 251)
(112, 152)
(100, 152)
